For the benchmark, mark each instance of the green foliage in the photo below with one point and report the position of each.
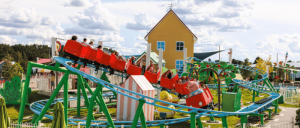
(223, 64)
(227, 81)
(202, 76)
(232, 75)
(10, 70)
(246, 73)
(12, 91)
(298, 117)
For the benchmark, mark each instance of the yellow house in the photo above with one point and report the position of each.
(172, 35)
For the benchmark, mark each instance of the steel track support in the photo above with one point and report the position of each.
(82, 85)
(138, 113)
(199, 122)
(66, 90)
(224, 122)
(103, 106)
(52, 97)
(193, 120)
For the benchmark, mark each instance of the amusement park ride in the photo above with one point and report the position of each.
(197, 105)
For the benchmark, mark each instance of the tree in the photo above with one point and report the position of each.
(255, 61)
(10, 70)
(289, 61)
(261, 64)
(246, 73)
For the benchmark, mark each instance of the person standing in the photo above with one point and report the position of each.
(52, 80)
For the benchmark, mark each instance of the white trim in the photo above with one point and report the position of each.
(176, 64)
(176, 46)
(164, 46)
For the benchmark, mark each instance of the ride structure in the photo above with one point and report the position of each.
(40, 107)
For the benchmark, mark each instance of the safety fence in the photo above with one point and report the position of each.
(290, 123)
(290, 96)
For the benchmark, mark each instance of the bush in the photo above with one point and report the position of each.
(298, 117)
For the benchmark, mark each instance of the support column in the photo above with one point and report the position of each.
(66, 90)
(86, 100)
(103, 106)
(224, 122)
(199, 122)
(193, 120)
(23, 102)
(138, 113)
(148, 55)
(52, 97)
(184, 59)
(253, 96)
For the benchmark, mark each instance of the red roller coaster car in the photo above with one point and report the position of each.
(202, 100)
(152, 77)
(132, 69)
(168, 83)
(117, 64)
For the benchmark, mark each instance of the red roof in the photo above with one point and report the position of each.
(177, 18)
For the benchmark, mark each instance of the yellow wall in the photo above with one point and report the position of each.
(171, 30)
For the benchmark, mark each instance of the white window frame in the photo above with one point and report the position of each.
(164, 45)
(179, 46)
(179, 64)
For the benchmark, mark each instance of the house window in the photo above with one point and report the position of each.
(161, 44)
(163, 65)
(179, 46)
(179, 64)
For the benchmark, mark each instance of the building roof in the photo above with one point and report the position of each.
(153, 56)
(204, 55)
(41, 61)
(142, 82)
(171, 11)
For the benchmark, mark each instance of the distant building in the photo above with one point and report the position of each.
(172, 35)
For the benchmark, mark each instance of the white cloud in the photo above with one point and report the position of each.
(295, 46)
(96, 17)
(77, 3)
(7, 40)
(142, 21)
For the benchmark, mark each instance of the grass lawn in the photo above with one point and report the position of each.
(13, 111)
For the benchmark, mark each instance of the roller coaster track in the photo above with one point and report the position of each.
(38, 106)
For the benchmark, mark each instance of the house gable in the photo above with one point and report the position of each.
(171, 15)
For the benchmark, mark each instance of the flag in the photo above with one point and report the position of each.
(286, 56)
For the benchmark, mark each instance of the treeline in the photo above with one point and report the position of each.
(28, 52)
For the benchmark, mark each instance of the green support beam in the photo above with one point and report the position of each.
(224, 122)
(103, 106)
(261, 117)
(52, 97)
(253, 96)
(66, 90)
(199, 122)
(162, 126)
(81, 84)
(27, 80)
(138, 113)
(193, 120)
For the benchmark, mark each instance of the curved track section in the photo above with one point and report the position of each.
(36, 107)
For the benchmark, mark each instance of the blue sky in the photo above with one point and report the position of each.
(251, 27)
